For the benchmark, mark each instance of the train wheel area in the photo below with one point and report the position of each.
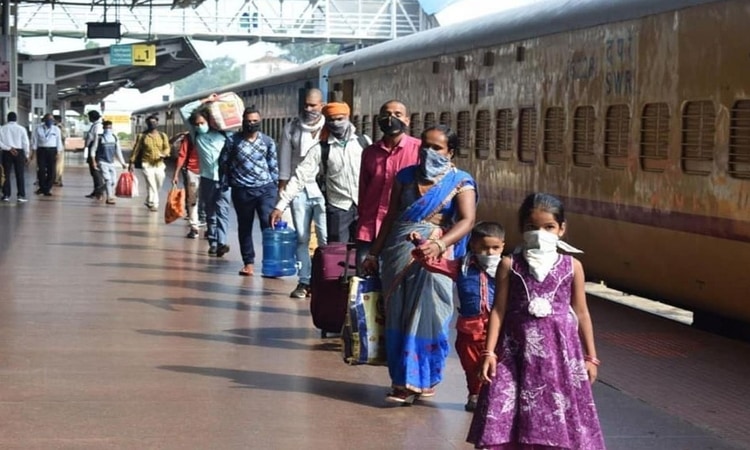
(117, 332)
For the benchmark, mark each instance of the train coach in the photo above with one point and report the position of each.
(635, 112)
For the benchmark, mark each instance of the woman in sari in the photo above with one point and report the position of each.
(436, 201)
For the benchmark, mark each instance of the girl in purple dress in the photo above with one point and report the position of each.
(537, 392)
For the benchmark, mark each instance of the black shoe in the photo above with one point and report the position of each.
(91, 195)
(48, 194)
(222, 250)
(301, 291)
(212, 250)
(192, 234)
(38, 192)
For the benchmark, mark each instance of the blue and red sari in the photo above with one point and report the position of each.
(419, 304)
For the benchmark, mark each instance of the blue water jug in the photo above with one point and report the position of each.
(279, 251)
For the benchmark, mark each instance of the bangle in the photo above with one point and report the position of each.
(440, 244)
(488, 354)
(592, 360)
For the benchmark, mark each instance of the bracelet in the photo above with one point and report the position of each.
(440, 244)
(592, 360)
(488, 354)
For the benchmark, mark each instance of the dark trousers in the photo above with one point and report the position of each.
(341, 224)
(18, 165)
(46, 161)
(247, 202)
(96, 175)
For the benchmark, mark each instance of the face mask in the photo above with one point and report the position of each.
(339, 127)
(202, 128)
(49, 122)
(490, 263)
(309, 117)
(250, 128)
(108, 132)
(391, 126)
(151, 126)
(432, 164)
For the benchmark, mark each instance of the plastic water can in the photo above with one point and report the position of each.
(279, 251)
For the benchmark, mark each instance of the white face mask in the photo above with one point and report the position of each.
(490, 263)
(540, 249)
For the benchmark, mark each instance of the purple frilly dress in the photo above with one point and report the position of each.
(541, 397)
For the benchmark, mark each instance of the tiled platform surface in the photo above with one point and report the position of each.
(116, 332)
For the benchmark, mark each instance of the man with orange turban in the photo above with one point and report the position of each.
(335, 164)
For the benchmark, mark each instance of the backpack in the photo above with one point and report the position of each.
(325, 152)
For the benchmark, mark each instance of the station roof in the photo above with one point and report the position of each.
(86, 76)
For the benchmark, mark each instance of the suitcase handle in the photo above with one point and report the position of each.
(346, 265)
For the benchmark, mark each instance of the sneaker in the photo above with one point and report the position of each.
(39, 192)
(300, 291)
(6, 199)
(212, 250)
(222, 250)
(22, 200)
(471, 403)
(192, 234)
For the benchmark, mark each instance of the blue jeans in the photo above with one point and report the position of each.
(247, 202)
(216, 203)
(304, 211)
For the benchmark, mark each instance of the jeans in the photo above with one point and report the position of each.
(216, 203)
(46, 157)
(247, 202)
(154, 176)
(109, 173)
(304, 211)
(18, 164)
(341, 224)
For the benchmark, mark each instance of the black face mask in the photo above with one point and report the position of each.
(151, 126)
(391, 126)
(250, 128)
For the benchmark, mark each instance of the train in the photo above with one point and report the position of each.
(636, 113)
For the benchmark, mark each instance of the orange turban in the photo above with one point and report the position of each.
(335, 109)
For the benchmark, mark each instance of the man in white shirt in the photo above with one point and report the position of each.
(46, 143)
(14, 146)
(299, 136)
(92, 138)
(339, 156)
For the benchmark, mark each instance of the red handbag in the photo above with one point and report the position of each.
(124, 186)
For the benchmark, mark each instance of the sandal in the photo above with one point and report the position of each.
(110, 201)
(246, 271)
(428, 392)
(403, 396)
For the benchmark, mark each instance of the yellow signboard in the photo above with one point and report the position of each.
(144, 55)
(118, 119)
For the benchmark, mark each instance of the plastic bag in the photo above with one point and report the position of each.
(227, 111)
(125, 184)
(363, 334)
(175, 205)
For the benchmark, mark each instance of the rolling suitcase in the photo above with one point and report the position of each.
(332, 266)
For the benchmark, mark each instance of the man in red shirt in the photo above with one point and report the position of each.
(188, 159)
(381, 162)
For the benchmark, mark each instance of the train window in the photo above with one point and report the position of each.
(415, 125)
(488, 59)
(520, 53)
(504, 134)
(376, 133)
(355, 122)
(445, 119)
(366, 126)
(473, 92)
(482, 127)
(429, 120)
(616, 133)
(654, 137)
(527, 135)
(554, 133)
(698, 133)
(464, 133)
(460, 63)
(584, 133)
(739, 140)
(436, 67)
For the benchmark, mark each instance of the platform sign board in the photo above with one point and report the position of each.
(121, 55)
(144, 55)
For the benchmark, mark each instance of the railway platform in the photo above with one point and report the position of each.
(116, 332)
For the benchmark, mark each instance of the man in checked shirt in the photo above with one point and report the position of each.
(248, 164)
